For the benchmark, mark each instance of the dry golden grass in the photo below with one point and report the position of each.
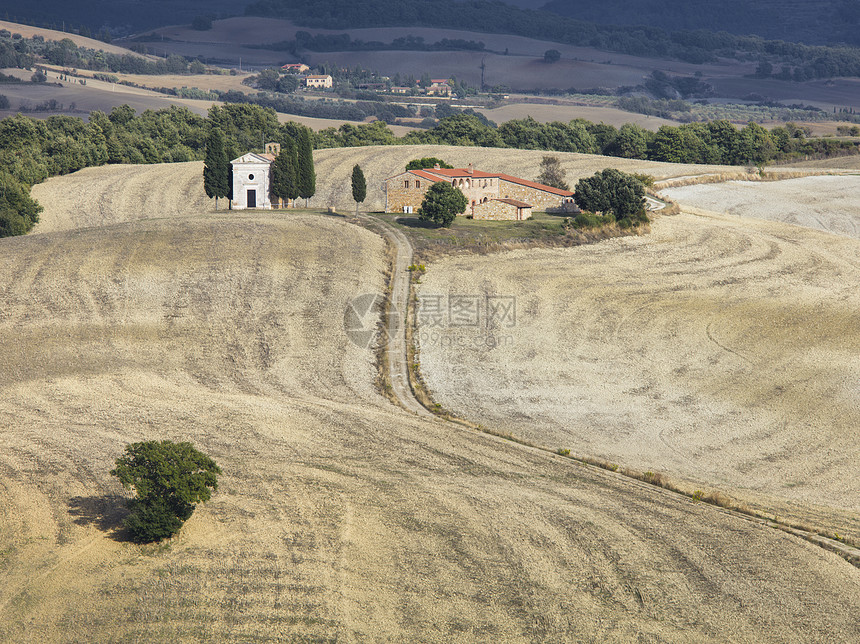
(564, 113)
(828, 203)
(717, 349)
(338, 516)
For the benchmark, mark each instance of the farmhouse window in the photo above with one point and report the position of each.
(250, 177)
(406, 183)
(417, 183)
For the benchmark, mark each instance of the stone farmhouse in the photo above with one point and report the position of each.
(251, 179)
(491, 195)
(315, 80)
(295, 68)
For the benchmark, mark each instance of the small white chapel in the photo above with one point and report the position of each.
(251, 179)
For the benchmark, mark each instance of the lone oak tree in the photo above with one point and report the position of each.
(169, 479)
(552, 174)
(442, 203)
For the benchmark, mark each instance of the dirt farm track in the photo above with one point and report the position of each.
(136, 312)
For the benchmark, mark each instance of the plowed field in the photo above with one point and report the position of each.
(718, 349)
(338, 516)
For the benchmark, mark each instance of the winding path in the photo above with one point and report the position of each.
(398, 369)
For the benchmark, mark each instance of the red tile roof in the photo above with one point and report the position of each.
(537, 186)
(514, 202)
(462, 172)
(437, 174)
(425, 175)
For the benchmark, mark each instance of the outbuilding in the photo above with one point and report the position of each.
(502, 209)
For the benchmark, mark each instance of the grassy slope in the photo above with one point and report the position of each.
(338, 516)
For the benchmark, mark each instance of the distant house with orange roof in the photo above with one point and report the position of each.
(295, 68)
(511, 197)
(439, 87)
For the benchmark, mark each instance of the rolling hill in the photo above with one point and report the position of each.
(339, 516)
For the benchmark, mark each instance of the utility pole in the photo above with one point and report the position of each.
(483, 66)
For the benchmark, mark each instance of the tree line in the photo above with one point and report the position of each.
(344, 42)
(17, 51)
(32, 150)
(715, 142)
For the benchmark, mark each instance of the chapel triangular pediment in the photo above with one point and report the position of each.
(250, 157)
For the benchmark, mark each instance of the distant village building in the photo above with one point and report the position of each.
(295, 68)
(401, 90)
(490, 195)
(439, 87)
(251, 179)
(321, 81)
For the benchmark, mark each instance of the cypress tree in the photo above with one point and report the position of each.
(359, 186)
(307, 175)
(216, 171)
(284, 173)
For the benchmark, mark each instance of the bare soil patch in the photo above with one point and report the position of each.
(824, 203)
(338, 516)
(521, 68)
(717, 349)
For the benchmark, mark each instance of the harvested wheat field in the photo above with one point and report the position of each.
(81, 41)
(830, 204)
(564, 113)
(717, 349)
(338, 516)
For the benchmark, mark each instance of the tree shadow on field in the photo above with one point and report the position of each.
(414, 222)
(105, 512)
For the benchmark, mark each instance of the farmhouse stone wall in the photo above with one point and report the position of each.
(477, 189)
(541, 200)
(402, 192)
(497, 210)
(407, 190)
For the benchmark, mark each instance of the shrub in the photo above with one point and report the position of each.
(588, 220)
